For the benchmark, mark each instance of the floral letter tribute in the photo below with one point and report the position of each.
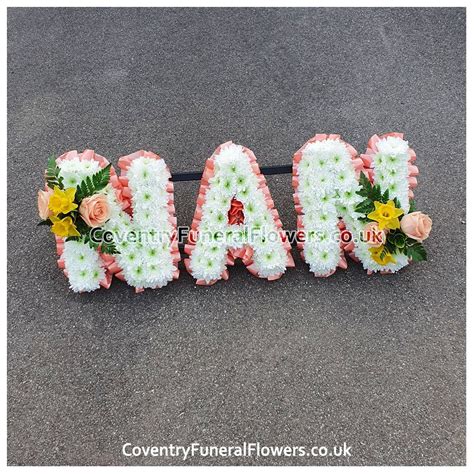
(360, 205)
(346, 205)
(108, 225)
(235, 218)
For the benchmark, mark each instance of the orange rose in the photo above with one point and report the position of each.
(236, 213)
(95, 210)
(373, 236)
(416, 225)
(43, 202)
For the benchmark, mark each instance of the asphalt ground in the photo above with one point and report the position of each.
(377, 362)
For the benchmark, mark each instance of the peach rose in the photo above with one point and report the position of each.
(43, 202)
(373, 236)
(95, 210)
(416, 225)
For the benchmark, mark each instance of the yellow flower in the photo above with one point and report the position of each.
(386, 215)
(377, 257)
(64, 227)
(62, 201)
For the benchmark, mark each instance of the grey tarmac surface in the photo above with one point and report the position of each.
(376, 362)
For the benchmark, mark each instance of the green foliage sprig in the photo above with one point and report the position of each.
(52, 176)
(397, 241)
(371, 193)
(93, 184)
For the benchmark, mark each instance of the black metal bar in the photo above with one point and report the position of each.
(187, 176)
(279, 169)
(266, 170)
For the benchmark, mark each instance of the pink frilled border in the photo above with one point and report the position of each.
(245, 253)
(297, 157)
(123, 194)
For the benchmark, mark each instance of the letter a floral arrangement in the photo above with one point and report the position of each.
(347, 205)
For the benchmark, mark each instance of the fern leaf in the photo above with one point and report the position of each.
(93, 184)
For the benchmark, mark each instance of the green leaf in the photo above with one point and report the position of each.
(366, 185)
(389, 247)
(52, 174)
(397, 238)
(412, 206)
(383, 253)
(376, 193)
(365, 207)
(46, 222)
(73, 238)
(93, 184)
(81, 226)
(416, 252)
(108, 248)
(396, 201)
(98, 242)
(101, 178)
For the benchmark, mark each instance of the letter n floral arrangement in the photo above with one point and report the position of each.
(368, 198)
(84, 201)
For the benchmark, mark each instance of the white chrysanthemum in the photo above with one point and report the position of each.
(144, 241)
(215, 219)
(253, 210)
(392, 146)
(215, 202)
(147, 172)
(391, 168)
(270, 260)
(322, 256)
(83, 266)
(73, 171)
(207, 268)
(234, 177)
